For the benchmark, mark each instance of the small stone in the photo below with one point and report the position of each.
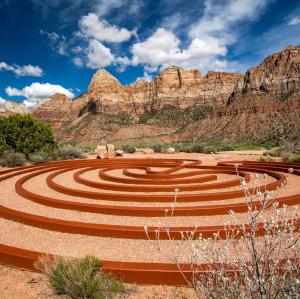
(170, 150)
(119, 153)
(148, 151)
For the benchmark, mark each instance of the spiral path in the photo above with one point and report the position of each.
(117, 208)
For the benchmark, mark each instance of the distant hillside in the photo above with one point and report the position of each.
(178, 105)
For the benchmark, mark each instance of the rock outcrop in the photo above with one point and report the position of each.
(57, 108)
(215, 106)
(10, 107)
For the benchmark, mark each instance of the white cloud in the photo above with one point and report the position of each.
(98, 55)
(22, 71)
(2, 101)
(147, 77)
(163, 49)
(37, 92)
(294, 21)
(105, 7)
(220, 19)
(57, 42)
(219, 26)
(92, 27)
(77, 61)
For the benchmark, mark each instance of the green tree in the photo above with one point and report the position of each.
(24, 134)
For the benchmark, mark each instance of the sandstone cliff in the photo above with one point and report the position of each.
(10, 107)
(262, 105)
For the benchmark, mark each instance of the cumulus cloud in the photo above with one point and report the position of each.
(163, 49)
(294, 21)
(209, 37)
(98, 55)
(22, 71)
(36, 92)
(92, 27)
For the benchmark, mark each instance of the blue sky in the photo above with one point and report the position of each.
(50, 46)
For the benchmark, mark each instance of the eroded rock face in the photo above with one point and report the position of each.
(226, 105)
(277, 76)
(55, 109)
(10, 107)
(173, 86)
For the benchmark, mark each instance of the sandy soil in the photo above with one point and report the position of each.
(31, 285)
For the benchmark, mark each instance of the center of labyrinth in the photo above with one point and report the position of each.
(117, 209)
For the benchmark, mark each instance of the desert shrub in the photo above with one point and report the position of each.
(209, 149)
(197, 148)
(265, 158)
(243, 263)
(40, 157)
(290, 157)
(128, 148)
(159, 147)
(68, 152)
(80, 278)
(24, 134)
(12, 159)
(226, 148)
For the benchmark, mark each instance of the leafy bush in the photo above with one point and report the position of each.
(128, 148)
(209, 149)
(68, 152)
(197, 148)
(226, 148)
(12, 159)
(80, 278)
(159, 147)
(24, 134)
(40, 157)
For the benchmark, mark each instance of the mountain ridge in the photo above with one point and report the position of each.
(181, 105)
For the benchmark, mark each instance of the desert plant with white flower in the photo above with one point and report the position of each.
(259, 257)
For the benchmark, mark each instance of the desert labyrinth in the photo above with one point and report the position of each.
(118, 209)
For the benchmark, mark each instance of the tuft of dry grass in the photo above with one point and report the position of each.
(79, 278)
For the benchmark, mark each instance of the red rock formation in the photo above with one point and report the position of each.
(261, 105)
(10, 107)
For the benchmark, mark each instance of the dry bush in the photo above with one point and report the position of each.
(68, 152)
(244, 264)
(79, 278)
(12, 159)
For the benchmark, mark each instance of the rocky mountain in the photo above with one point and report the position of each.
(10, 107)
(262, 105)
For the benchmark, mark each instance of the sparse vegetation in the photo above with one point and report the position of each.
(12, 159)
(128, 148)
(289, 152)
(80, 278)
(68, 152)
(159, 147)
(40, 157)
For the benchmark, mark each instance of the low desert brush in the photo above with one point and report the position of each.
(68, 152)
(79, 278)
(12, 159)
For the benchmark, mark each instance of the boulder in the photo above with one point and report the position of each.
(170, 150)
(110, 151)
(101, 152)
(148, 151)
